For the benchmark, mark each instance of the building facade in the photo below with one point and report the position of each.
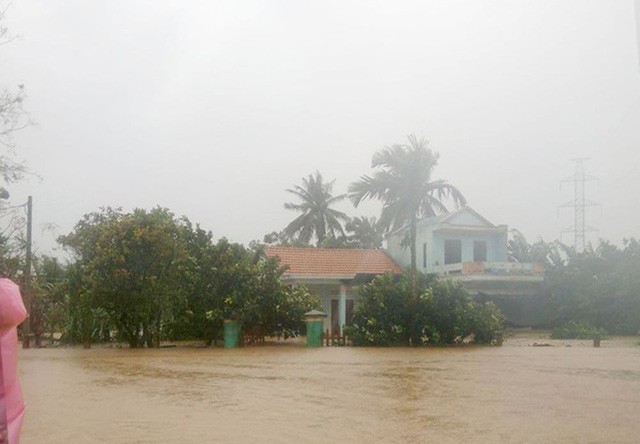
(465, 247)
(332, 273)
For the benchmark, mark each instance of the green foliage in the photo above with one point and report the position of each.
(361, 232)
(50, 303)
(577, 330)
(549, 254)
(382, 315)
(444, 313)
(130, 267)
(403, 183)
(274, 308)
(281, 239)
(364, 232)
(318, 219)
(599, 286)
(11, 255)
(147, 275)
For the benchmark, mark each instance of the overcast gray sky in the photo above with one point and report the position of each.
(212, 108)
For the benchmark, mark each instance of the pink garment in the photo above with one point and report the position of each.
(12, 313)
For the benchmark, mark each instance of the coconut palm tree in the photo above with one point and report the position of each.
(403, 182)
(365, 232)
(317, 218)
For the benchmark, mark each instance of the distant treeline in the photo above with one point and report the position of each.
(597, 289)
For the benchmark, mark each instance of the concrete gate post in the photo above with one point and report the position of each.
(231, 333)
(313, 320)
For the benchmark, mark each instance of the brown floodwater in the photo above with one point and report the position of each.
(287, 393)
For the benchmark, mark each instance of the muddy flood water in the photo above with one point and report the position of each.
(287, 393)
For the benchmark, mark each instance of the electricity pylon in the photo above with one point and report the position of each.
(579, 204)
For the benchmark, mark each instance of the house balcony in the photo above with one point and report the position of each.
(491, 268)
(507, 278)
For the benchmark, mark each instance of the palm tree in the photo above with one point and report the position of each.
(551, 254)
(365, 232)
(317, 217)
(404, 184)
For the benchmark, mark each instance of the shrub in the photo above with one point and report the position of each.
(577, 330)
(444, 313)
(382, 316)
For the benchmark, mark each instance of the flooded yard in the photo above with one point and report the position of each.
(570, 392)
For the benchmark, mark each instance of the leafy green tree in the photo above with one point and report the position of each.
(445, 314)
(318, 218)
(85, 321)
(199, 313)
(229, 281)
(50, 303)
(382, 315)
(146, 275)
(599, 287)
(131, 263)
(11, 254)
(275, 308)
(404, 183)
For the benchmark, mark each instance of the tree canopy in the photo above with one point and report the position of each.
(318, 219)
(147, 275)
(404, 184)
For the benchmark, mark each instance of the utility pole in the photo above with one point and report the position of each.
(26, 286)
(579, 204)
(637, 7)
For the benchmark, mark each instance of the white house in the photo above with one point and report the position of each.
(466, 247)
(331, 273)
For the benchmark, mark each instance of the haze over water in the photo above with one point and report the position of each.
(512, 393)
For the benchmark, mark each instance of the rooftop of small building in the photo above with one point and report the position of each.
(334, 261)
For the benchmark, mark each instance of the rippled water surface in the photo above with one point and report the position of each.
(288, 393)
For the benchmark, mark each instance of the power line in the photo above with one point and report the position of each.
(579, 204)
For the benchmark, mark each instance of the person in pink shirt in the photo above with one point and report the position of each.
(12, 313)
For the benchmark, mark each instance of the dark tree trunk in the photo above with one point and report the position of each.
(412, 246)
(414, 278)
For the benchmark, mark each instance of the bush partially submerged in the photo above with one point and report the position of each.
(443, 313)
(577, 330)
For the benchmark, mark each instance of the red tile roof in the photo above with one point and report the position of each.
(333, 261)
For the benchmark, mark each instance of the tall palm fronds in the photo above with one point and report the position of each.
(549, 254)
(365, 232)
(317, 218)
(403, 182)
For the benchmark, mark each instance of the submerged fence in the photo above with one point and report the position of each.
(335, 340)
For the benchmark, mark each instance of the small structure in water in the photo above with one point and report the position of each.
(314, 320)
(331, 273)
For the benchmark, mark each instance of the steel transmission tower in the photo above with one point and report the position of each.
(579, 204)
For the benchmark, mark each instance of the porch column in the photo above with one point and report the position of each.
(343, 306)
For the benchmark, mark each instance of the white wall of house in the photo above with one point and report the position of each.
(329, 292)
(464, 226)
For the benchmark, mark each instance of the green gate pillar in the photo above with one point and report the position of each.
(231, 333)
(313, 319)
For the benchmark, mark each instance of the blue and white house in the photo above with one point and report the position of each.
(445, 242)
(464, 246)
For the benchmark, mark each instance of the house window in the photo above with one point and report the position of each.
(452, 251)
(424, 255)
(479, 251)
